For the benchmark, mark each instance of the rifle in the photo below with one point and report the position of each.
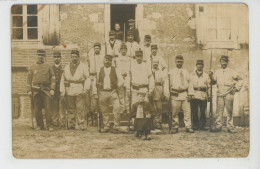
(169, 102)
(211, 104)
(130, 97)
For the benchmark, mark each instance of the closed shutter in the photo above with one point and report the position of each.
(15, 107)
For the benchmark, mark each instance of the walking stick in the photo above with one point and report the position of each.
(211, 104)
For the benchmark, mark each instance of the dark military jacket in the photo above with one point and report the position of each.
(57, 72)
(41, 77)
(136, 35)
(119, 35)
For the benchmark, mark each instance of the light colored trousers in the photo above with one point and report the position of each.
(222, 102)
(177, 106)
(107, 99)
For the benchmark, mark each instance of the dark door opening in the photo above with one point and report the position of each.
(121, 13)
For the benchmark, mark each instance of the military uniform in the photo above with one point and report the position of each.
(162, 64)
(112, 47)
(146, 50)
(135, 31)
(131, 46)
(180, 89)
(74, 85)
(122, 64)
(119, 35)
(41, 80)
(107, 83)
(55, 102)
(141, 78)
(228, 82)
(160, 88)
(200, 82)
(95, 62)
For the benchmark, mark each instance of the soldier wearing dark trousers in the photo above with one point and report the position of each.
(55, 102)
(200, 82)
(41, 85)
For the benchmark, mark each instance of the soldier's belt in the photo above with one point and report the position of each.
(158, 84)
(106, 90)
(75, 81)
(137, 87)
(200, 89)
(178, 91)
(93, 74)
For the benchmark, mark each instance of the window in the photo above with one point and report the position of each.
(219, 25)
(24, 22)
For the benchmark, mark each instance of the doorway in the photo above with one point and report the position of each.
(121, 13)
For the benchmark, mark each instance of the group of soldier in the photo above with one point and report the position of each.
(128, 77)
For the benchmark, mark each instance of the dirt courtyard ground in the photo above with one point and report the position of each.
(28, 143)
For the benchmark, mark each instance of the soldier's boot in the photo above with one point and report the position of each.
(174, 130)
(137, 134)
(232, 130)
(189, 130)
(38, 128)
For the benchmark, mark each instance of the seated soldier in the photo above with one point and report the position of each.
(142, 111)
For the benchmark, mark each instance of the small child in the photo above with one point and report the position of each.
(142, 112)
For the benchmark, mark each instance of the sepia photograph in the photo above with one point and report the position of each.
(143, 80)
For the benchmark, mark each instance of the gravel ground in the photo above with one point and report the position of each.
(61, 143)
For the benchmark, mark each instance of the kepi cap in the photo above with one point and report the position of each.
(75, 51)
(147, 37)
(131, 20)
(123, 46)
(154, 46)
(138, 53)
(56, 54)
(179, 58)
(224, 57)
(200, 62)
(41, 52)
(97, 44)
(108, 57)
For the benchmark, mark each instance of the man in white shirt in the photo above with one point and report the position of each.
(107, 83)
(75, 84)
(201, 82)
(146, 48)
(181, 92)
(95, 62)
(228, 83)
(122, 64)
(112, 47)
(132, 45)
(140, 77)
(154, 54)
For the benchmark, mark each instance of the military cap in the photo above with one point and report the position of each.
(200, 62)
(139, 53)
(130, 32)
(223, 57)
(154, 47)
(179, 58)
(123, 46)
(97, 44)
(41, 52)
(75, 51)
(56, 54)
(108, 57)
(111, 33)
(147, 37)
(131, 20)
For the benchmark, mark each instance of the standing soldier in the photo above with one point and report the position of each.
(162, 65)
(74, 86)
(41, 85)
(131, 23)
(200, 81)
(147, 48)
(181, 92)
(107, 83)
(113, 45)
(228, 83)
(141, 77)
(132, 45)
(160, 89)
(122, 64)
(95, 62)
(55, 104)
